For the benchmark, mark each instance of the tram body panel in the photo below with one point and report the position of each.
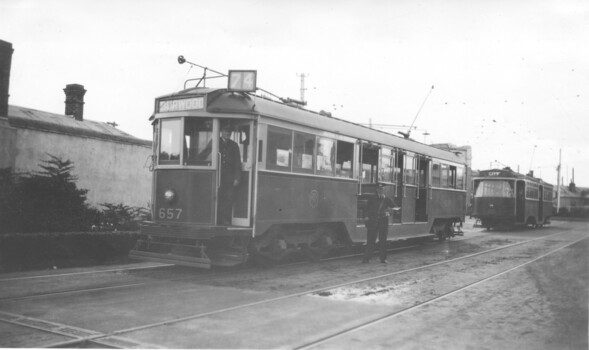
(193, 192)
(286, 198)
(281, 210)
(446, 203)
(503, 197)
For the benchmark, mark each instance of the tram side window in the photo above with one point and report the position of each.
(444, 175)
(532, 191)
(279, 149)
(548, 195)
(325, 156)
(494, 188)
(344, 160)
(452, 177)
(198, 135)
(304, 149)
(436, 174)
(169, 142)
(369, 163)
(397, 166)
(385, 171)
(460, 178)
(410, 170)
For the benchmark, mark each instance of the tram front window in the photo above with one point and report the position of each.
(494, 188)
(169, 146)
(198, 134)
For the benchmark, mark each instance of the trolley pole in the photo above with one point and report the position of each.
(303, 85)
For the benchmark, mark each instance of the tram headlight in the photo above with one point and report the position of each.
(170, 195)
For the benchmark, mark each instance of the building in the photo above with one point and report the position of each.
(574, 200)
(111, 164)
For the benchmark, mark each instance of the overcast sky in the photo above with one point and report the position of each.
(511, 78)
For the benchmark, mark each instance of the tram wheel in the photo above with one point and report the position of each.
(270, 250)
(322, 242)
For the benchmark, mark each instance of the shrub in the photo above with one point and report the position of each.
(120, 217)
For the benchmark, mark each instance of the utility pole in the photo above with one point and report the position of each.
(303, 85)
(558, 182)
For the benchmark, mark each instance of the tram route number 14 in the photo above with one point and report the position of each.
(169, 213)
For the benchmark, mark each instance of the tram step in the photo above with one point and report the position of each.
(201, 262)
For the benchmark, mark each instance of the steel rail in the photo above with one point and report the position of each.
(299, 294)
(432, 300)
(208, 275)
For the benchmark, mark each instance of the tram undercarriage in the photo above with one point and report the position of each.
(230, 246)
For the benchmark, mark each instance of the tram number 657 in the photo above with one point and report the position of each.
(169, 213)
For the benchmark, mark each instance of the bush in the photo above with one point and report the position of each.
(120, 217)
(50, 201)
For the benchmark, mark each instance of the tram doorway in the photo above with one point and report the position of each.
(422, 188)
(541, 205)
(241, 134)
(520, 201)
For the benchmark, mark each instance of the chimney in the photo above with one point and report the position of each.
(572, 186)
(6, 51)
(74, 100)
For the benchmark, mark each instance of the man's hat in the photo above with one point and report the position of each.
(226, 127)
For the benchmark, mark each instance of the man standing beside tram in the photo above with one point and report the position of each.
(376, 218)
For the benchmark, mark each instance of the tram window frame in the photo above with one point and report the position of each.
(452, 176)
(370, 152)
(532, 191)
(548, 194)
(344, 156)
(486, 188)
(398, 166)
(277, 136)
(386, 165)
(460, 177)
(444, 174)
(410, 169)
(203, 147)
(436, 174)
(173, 144)
(325, 161)
(301, 142)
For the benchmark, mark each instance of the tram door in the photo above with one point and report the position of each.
(541, 204)
(242, 132)
(520, 201)
(422, 185)
(409, 190)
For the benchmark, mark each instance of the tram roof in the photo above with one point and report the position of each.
(507, 173)
(223, 101)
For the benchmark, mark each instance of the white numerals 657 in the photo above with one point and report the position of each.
(169, 213)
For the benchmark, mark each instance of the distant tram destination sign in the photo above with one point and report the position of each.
(181, 104)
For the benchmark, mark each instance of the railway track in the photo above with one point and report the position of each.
(56, 284)
(529, 250)
(156, 277)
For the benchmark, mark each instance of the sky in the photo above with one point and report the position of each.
(510, 77)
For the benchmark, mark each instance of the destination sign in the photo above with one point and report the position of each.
(184, 104)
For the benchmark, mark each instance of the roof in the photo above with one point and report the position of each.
(566, 192)
(222, 101)
(28, 118)
(507, 173)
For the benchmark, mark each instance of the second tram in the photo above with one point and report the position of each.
(505, 198)
(306, 177)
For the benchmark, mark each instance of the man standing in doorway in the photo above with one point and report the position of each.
(376, 219)
(230, 168)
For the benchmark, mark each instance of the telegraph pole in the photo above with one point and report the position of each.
(558, 182)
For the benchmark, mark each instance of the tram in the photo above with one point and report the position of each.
(305, 179)
(505, 198)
